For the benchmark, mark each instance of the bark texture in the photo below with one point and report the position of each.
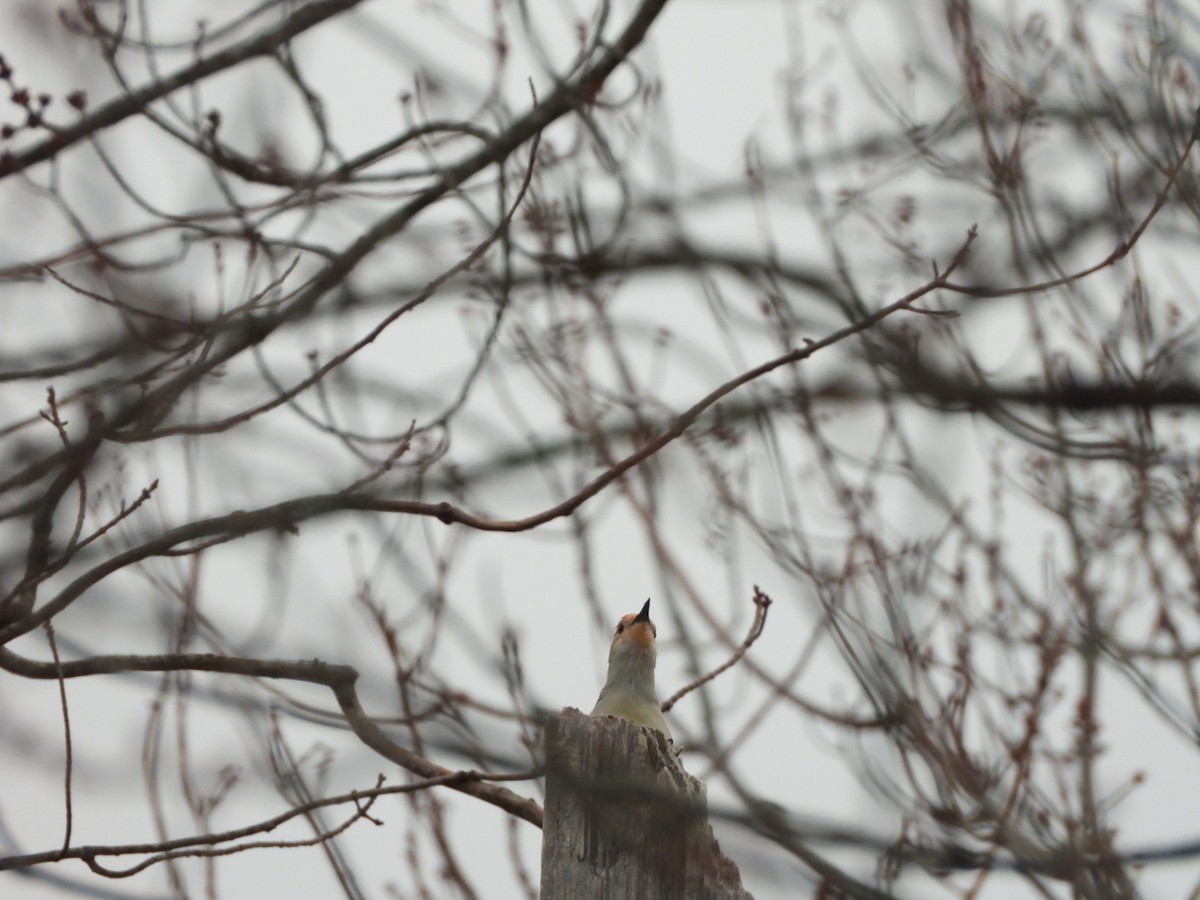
(623, 819)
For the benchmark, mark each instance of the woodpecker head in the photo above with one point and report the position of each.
(629, 690)
(635, 633)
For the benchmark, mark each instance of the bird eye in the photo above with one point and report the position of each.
(620, 627)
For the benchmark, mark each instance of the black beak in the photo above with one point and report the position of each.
(644, 615)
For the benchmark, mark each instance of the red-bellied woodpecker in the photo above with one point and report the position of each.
(629, 690)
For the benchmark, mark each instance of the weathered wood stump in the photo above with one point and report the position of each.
(623, 819)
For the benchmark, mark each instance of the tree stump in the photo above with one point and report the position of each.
(623, 819)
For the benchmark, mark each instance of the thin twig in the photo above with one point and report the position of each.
(68, 765)
(761, 604)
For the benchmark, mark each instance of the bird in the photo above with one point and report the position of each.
(629, 691)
